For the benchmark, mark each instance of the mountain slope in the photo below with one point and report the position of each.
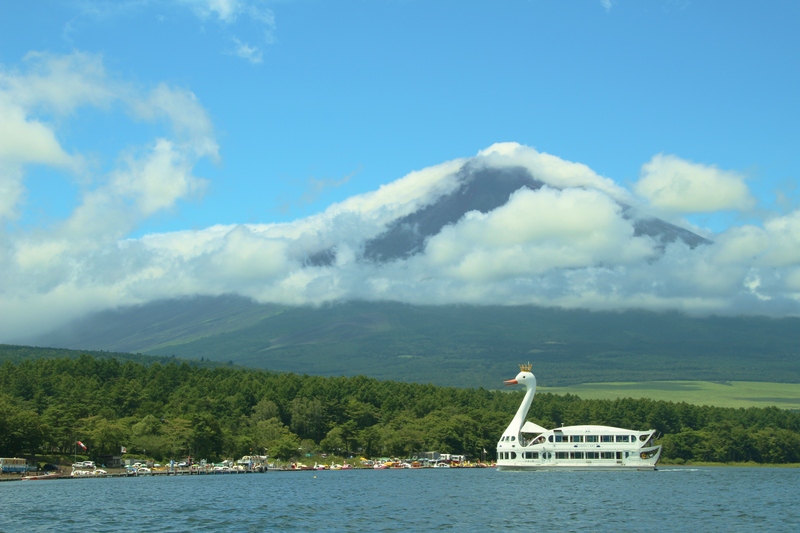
(453, 345)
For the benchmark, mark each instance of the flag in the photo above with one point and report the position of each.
(82, 445)
(123, 449)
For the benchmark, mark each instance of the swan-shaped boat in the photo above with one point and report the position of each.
(528, 446)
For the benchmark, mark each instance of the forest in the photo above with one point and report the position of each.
(172, 410)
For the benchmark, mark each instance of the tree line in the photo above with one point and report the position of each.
(176, 410)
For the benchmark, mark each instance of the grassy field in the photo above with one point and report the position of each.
(725, 394)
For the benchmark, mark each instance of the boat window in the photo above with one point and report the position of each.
(576, 438)
(607, 455)
(513, 455)
(561, 438)
(606, 438)
(643, 437)
(513, 438)
(531, 455)
(576, 455)
(550, 438)
(562, 455)
(622, 438)
(591, 438)
(593, 455)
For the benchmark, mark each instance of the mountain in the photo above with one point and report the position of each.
(587, 245)
(449, 345)
(483, 189)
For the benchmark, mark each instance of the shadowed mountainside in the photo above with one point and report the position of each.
(452, 345)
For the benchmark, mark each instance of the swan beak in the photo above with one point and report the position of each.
(510, 382)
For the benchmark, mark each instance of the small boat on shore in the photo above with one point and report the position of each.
(39, 477)
(95, 472)
(528, 446)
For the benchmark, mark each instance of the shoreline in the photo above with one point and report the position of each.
(120, 472)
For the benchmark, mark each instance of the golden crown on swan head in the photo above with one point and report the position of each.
(525, 368)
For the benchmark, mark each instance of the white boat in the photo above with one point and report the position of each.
(528, 446)
(86, 472)
(34, 477)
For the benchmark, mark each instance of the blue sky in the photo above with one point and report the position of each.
(274, 111)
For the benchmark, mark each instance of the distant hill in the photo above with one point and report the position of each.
(449, 345)
(16, 354)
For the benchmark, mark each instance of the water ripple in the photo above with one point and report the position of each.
(686, 499)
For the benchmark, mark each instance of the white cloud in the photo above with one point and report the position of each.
(245, 51)
(81, 252)
(225, 10)
(537, 231)
(228, 12)
(783, 239)
(60, 83)
(25, 140)
(187, 118)
(607, 4)
(549, 169)
(673, 184)
(227, 16)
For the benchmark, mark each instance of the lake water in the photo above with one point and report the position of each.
(674, 499)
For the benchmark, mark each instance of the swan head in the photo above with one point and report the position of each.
(524, 377)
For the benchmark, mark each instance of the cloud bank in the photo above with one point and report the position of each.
(570, 242)
(672, 184)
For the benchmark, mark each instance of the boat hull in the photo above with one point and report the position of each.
(578, 468)
(41, 477)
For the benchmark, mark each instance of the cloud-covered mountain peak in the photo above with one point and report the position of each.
(482, 189)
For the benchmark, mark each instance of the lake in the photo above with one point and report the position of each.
(672, 498)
